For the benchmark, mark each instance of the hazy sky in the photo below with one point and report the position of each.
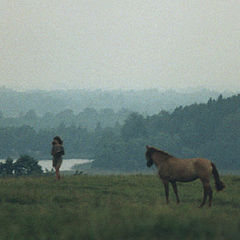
(111, 44)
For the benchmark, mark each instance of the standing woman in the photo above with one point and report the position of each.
(57, 153)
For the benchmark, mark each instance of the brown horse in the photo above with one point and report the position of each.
(171, 169)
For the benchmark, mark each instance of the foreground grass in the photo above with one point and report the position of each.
(114, 207)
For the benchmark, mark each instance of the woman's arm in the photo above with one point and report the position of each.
(52, 151)
(60, 152)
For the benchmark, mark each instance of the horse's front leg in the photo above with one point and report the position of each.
(166, 186)
(174, 186)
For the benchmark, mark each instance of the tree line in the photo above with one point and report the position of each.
(210, 130)
(88, 118)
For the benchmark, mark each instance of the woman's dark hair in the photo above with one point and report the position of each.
(58, 139)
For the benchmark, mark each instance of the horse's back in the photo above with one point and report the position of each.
(189, 169)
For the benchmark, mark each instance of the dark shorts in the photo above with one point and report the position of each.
(57, 162)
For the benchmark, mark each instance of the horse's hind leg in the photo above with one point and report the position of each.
(166, 187)
(206, 191)
(174, 186)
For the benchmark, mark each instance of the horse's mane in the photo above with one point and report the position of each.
(153, 149)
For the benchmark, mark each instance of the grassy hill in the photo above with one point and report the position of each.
(114, 207)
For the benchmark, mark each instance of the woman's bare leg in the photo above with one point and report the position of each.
(57, 173)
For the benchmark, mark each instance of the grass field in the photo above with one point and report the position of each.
(114, 207)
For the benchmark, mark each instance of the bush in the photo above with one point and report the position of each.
(24, 166)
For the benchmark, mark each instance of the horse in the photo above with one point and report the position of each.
(172, 169)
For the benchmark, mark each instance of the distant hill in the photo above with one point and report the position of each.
(147, 102)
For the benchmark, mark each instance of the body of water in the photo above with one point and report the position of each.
(66, 165)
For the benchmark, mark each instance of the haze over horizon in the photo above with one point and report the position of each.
(120, 45)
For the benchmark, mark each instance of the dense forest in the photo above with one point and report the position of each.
(210, 130)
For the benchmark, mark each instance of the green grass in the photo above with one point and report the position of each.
(114, 207)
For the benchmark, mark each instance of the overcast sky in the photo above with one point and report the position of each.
(127, 44)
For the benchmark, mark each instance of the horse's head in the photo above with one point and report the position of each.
(148, 155)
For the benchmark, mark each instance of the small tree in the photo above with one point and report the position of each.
(9, 166)
(27, 165)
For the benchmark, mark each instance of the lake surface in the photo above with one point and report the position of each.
(66, 165)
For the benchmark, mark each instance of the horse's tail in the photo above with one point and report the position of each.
(218, 183)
